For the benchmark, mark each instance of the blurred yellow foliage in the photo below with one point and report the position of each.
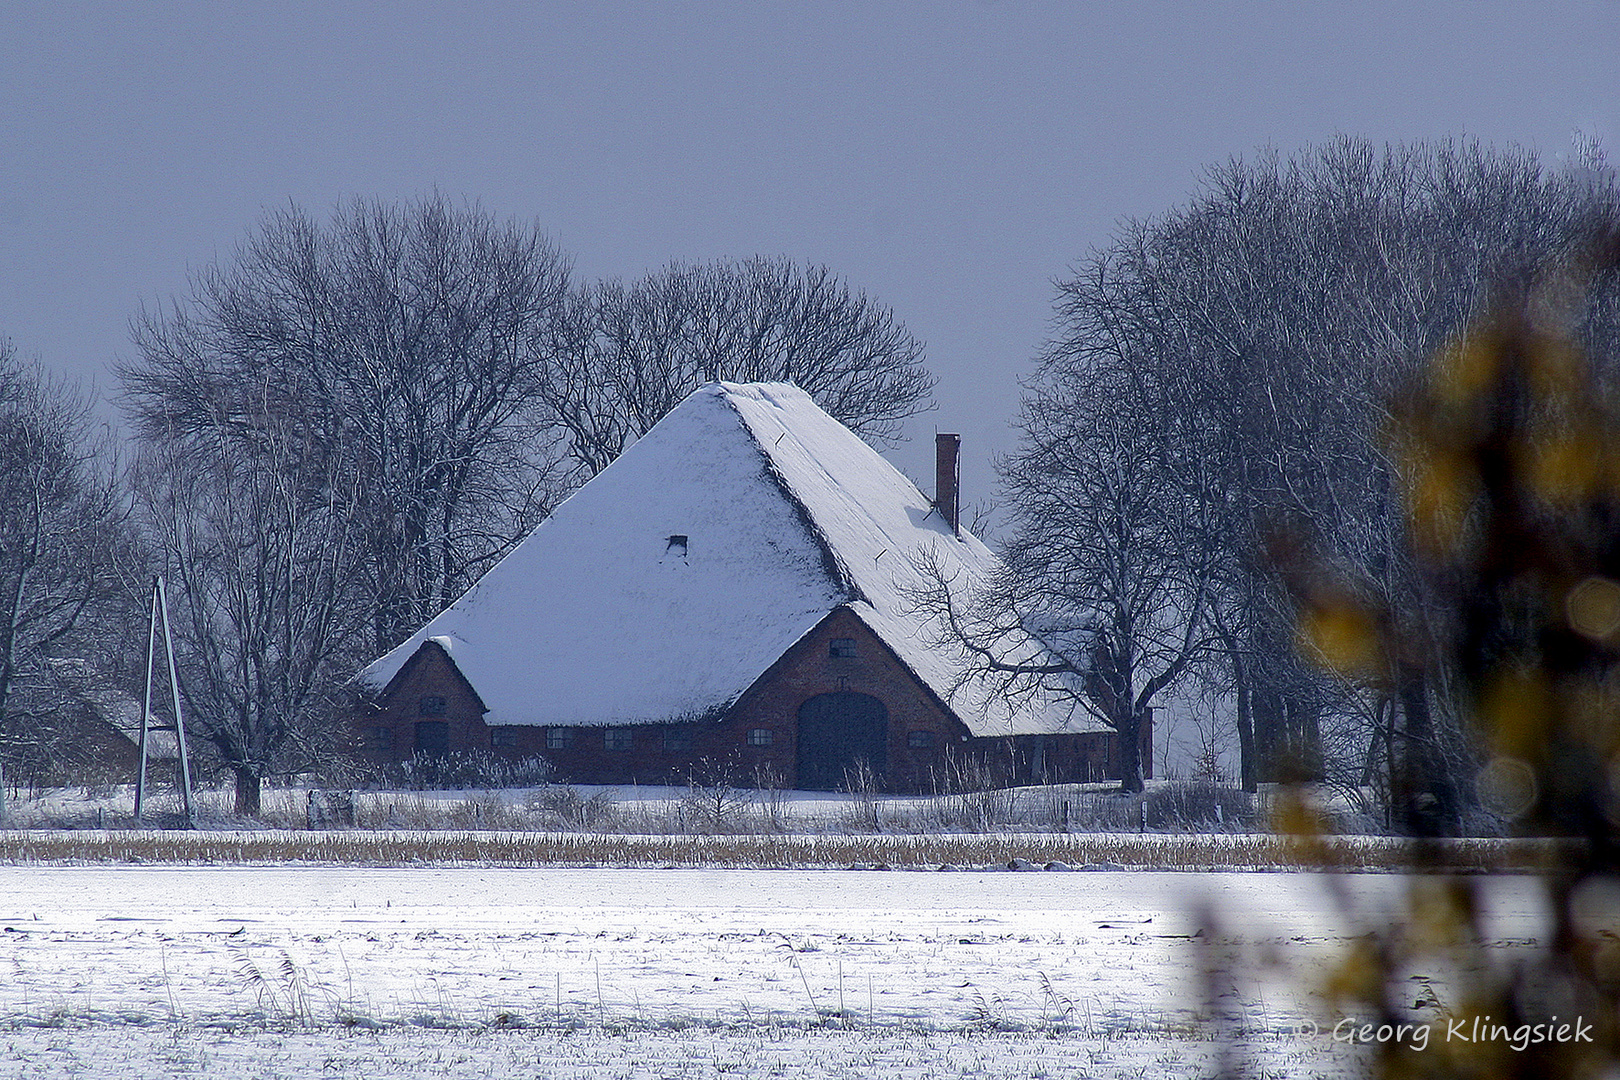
(1345, 636)
(1443, 489)
(1510, 451)
(1593, 607)
(1514, 710)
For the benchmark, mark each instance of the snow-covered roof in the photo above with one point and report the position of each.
(670, 582)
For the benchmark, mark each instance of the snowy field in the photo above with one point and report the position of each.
(589, 973)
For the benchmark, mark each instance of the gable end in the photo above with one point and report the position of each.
(431, 651)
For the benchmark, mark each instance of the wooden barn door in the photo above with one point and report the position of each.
(836, 733)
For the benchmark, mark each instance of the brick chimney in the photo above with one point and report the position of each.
(948, 479)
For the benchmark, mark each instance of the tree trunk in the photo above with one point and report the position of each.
(1425, 799)
(1130, 752)
(1248, 774)
(1369, 760)
(248, 785)
(1305, 737)
(1245, 730)
(1265, 713)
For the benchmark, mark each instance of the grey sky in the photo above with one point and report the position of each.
(949, 159)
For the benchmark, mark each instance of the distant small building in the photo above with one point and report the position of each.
(90, 731)
(736, 591)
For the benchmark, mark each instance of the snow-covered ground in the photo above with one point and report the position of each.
(322, 971)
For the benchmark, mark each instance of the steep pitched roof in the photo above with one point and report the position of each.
(669, 583)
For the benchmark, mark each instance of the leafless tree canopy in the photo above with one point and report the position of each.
(629, 353)
(340, 433)
(400, 345)
(268, 619)
(64, 543)
(1228, 367)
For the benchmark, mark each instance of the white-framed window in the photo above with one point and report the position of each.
(760, 736)
(920, 740)
(559, 738)
(617, 738)
(504, 737)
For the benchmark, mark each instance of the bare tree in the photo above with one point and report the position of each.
(63, 544)
(1220, 375)
(270, 619)
(1275, 315)
(629, 354)
(363, 415)
(1106, 567)
(410, 342)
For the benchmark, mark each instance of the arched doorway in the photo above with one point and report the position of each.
(837, 732)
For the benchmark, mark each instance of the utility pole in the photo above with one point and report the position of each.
(160, 611)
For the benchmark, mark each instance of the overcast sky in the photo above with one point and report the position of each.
(949, 159)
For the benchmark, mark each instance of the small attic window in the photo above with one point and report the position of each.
(431, 705)
(842, 646)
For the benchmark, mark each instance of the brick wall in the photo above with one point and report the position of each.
(757, 738)
(811, 668)
(428, 689)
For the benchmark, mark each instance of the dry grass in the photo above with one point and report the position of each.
(519, 849)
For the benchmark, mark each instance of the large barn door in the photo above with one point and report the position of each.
(432, 739)
(836, 733)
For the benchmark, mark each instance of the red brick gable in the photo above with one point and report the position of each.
(810, 668)
(428, 689)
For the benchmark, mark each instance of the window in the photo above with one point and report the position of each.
(379, 740)
(559, 738)
(842, 646)
(760, 736)
(920, 740)
(504, 737)
(616, 738)
(431, 705)
(677, 740)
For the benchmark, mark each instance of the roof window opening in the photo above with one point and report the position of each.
(676, 546)
(842, 646)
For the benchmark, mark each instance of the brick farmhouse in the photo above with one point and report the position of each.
(737, 591)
